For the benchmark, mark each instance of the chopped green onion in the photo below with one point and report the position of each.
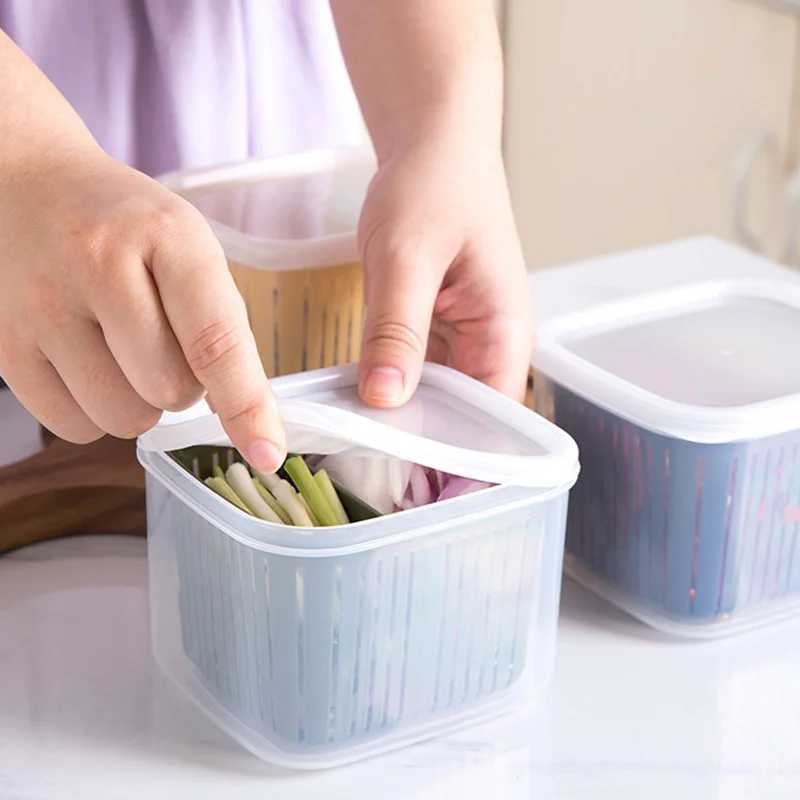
(307, 507)
(221, 487)
(331, 495)
(239, 480)
(287, 497)
(268, 479)
(313, 500)
(268, 498)
(301, 476)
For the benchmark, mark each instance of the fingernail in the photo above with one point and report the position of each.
(265, 456)
(385, 385)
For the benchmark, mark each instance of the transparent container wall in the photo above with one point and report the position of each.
(696, 533)
(308, 318)
(289, 208)
(317, 661)
(304, 319)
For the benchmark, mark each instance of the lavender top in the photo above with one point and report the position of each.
(172, 84)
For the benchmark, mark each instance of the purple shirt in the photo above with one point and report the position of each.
(172, 84)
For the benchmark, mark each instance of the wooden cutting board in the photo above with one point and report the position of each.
(67, 490)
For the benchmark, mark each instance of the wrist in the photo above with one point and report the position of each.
(462, 107)
(447, 126)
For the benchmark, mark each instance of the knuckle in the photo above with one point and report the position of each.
(94, 245)
(177, 393)
(394, 336)
(215, 348)
(100, 245)
(166, 219)
(244, 408)
(174, 223)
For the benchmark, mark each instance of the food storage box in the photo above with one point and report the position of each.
(318, 647)
(685, 405)
(288, 228)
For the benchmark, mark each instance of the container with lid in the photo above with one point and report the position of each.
(318, 647)
(685, 405)
(288, 228)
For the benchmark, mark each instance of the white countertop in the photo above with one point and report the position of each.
(85, 714)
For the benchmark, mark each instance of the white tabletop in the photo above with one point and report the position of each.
(84, 713)
(630, 714)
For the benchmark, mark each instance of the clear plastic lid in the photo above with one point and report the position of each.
(452, 424)
(293, 212)
(708, 362)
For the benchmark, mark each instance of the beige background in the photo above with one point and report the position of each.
(627, 120)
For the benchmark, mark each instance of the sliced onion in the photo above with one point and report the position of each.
(346, 471)
(366, 478)
(313, 462)
(457, 487)
(421, 494)
(239, 480)
(397, 480)
(390, 485)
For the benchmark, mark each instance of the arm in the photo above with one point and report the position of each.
(34, 117)
(424, 68)
(444, 272)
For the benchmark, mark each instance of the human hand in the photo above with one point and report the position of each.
(116, 303)
(444, 273)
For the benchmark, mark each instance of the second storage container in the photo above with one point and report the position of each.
(288, 228)
(685, 405)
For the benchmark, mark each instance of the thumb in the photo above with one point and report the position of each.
(401, 292)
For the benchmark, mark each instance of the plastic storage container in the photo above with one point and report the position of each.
(288, 229)
(318, 647)
(685, 405)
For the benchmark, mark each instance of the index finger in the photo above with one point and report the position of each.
(209, 318)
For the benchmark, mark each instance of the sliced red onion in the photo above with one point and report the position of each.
(457, 487)
(440, 481)
(407, 504)
(314, 462)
